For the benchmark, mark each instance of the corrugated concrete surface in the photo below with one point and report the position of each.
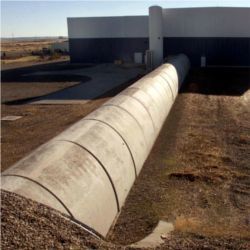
(87, 171)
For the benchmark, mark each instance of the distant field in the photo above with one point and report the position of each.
(22, 59)
(28, 45)
(23, 51)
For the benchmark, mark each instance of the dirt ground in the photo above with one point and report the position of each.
(13, 91)
(38, 124)
(198, 173)
(196, 177)
(27, 45)
(19, 52)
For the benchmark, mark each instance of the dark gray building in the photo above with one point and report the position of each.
(221, 35)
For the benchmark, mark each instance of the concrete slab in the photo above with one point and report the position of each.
(11, 118)
(104, 78)
(156, 238)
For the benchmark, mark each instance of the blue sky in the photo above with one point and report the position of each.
(48, 18)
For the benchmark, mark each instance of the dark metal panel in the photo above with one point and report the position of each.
(218, 51)
(102, 50)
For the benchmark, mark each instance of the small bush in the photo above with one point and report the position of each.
(54, 56)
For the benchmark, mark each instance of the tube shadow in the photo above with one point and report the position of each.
(115, 91)
(26, 74)
(217, 81)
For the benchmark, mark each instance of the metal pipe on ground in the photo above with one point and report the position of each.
(86, 172)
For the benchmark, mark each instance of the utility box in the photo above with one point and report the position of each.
(203, 61)
(138, 57)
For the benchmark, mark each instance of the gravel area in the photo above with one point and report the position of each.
(26, 224)
(30, 225)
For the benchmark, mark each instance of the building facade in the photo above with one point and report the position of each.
(220, 34)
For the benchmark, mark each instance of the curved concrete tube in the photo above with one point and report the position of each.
(87, 171)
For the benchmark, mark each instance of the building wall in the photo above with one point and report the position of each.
(105, 39)
(218, 51)
(220, 34)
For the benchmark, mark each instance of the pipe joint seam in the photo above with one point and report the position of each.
(43, 187)
(103, 167)
(129, 150)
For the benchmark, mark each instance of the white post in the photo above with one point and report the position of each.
(156, 34)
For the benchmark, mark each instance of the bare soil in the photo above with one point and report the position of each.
(197, 177)
(38, 124)
(198, 173)
(28, 61)
(27, 45)
(12, 91)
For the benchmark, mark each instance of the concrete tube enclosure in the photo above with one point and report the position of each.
(86, 172)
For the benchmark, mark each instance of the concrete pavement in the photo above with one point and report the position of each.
(104, 77)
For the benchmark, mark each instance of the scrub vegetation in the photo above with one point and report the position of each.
(18, 52)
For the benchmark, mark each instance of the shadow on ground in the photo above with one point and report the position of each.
(91, 81)
(24, 74)
(218, 81)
